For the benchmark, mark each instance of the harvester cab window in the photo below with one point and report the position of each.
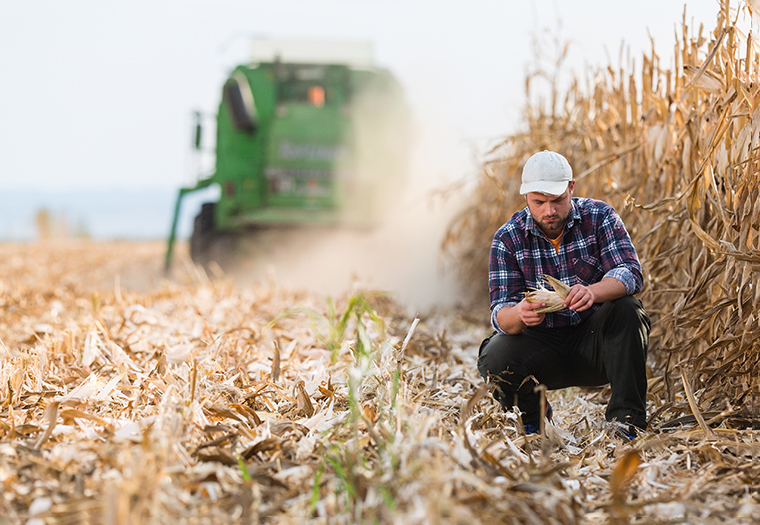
(303, 92)
(302, 84)
(239, 100)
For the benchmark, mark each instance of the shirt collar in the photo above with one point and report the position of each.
(575, 213)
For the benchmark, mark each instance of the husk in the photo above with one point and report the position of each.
(554, 299)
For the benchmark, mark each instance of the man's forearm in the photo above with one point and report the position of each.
(509, 320)
(608, 289)
(581, 298)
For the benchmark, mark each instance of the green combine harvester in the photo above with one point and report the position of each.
(307, 134)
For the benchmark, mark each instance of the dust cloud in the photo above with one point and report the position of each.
(400, 255)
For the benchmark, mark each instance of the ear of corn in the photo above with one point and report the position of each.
(554, 299)
(561, 288)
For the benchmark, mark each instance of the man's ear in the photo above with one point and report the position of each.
(572, 185)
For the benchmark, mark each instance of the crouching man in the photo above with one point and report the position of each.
(602, 333)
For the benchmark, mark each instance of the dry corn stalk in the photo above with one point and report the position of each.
(554, 299)
(676, 151)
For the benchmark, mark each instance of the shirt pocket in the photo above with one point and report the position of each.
(586, 270)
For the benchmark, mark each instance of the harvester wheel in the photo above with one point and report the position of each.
(222, 249)
(196, 249)
(203, 227)
(207, 243)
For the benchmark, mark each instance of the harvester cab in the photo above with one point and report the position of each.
(308, 133)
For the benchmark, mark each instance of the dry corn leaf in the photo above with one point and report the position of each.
(623, 472)
(304, 404)
(51, 418)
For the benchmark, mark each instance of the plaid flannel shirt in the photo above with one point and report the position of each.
(595, 244)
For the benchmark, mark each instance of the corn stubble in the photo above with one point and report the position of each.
(202, 402)
(208, 403)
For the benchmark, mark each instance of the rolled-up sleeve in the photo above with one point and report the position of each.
(619, 257)
(505, 279)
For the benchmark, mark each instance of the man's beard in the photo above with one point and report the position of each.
(554, 228)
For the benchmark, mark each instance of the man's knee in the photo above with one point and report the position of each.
(627, 303)
(487, 355)
(630, 309)
(500, 361)
(497, 367)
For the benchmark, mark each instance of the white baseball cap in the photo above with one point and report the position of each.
(546, 172)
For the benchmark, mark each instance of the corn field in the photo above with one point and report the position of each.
(127, 398)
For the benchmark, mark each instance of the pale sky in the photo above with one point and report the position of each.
(100, 94)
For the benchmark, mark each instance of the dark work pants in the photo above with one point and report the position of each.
(608, 347)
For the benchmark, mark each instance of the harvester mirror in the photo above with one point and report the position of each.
(239, 100)
(198, 131)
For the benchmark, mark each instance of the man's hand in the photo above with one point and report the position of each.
(580, 298)
(527, 313)
(514, 319)
(583, 297)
